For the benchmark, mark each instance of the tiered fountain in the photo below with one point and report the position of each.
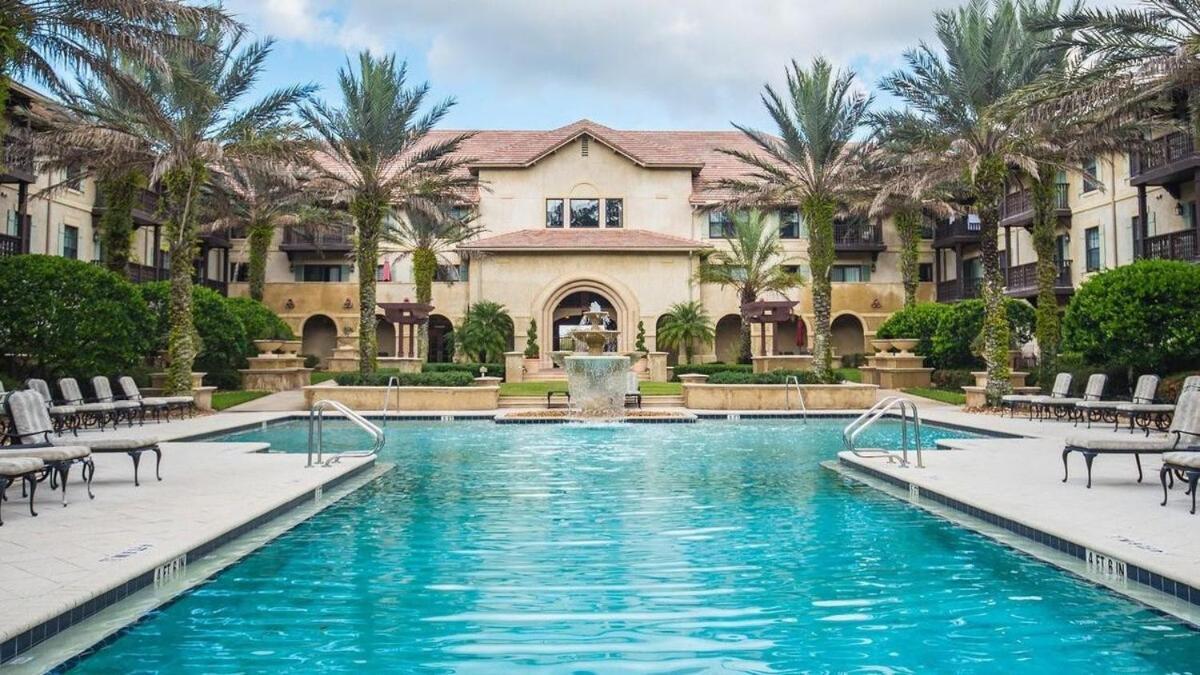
(597, 381)
(272, 371)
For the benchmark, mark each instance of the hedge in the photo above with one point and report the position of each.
(259, 322)
(773, 377)
(380, 379)
(62, 317)
(1144, 317)
(493, 369)
(953, 343)
(952, 378)
(223, 342)
(918, 322)
(711, 369)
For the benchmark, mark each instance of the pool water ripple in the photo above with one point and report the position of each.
(714, 547)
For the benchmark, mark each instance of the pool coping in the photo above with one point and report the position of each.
(35, 635)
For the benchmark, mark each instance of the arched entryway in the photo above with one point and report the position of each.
(568, 314)
(848, 335)
(318, 336)
(385, 336)
(791, 337)
(729, 338)
(441, 339)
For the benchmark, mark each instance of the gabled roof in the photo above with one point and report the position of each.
(638, 147)
(554, 239)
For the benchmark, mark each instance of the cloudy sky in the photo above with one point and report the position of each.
(633, 64)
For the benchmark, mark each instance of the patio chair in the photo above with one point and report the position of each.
(633, 392)
(1062, 388)
(158, 405)
(94, 412)
(34, 427)
(64, 416)
(126, 409)
(1106, 411)
(28, 470)
(30, 434)
(1186, 465)
(1060, 407)
(1142, 415)
(1184, 432)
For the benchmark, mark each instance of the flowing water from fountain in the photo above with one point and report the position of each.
(597, 381)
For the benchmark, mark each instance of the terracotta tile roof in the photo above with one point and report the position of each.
(583, 239)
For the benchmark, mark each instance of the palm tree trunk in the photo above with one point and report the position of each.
(745, 349)
(182, 190)
(1045, 221)
(818, 213)
(368, 215)
(259, 237)
(989, 190)
(908, 225)
(424, 268)
(116, 224)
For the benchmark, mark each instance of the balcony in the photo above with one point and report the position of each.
(331, 240)
(9, 245)
(16, 166)
(857, 235)
(948, 291)
(1017, 208)
(1166, 161)
(960, 230)
(1022, 281)
(145, 207)
(1173, 246)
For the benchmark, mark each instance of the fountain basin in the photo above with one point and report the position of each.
(597, 384)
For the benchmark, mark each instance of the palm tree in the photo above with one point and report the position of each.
(177, 128)
(380, 159)
(813, 163)
(955, 129)
(686, 325)
(753, 265)
(427, 235)
(486, 332)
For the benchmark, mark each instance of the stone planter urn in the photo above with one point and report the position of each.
(905, 346)
(882, 346)
(637, 362)
(268, 346)
(532, 365)
(693, 378)
(291, 347)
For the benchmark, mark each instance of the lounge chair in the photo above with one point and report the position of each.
(633, 392)
(1060, 407)
(1142, 415)
(28, 470)
(64, 416)
(1184, 432)
(158, 405)
(27, 411)
(95, 412)
(1062, 388)
(33, 426)
(1106, 411)
(1186, 465)
(124, 408)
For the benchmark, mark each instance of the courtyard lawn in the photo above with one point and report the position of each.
(542, 388)
(849, 374)
(317, 377)
(943, 395)
(227, 399)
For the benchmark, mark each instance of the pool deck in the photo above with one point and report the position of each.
(70, 562)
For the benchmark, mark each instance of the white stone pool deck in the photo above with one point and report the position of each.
(66, 557)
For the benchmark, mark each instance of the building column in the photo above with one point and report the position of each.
(1138, 253)
(958, 269)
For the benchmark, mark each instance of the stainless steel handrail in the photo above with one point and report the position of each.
(316, 416)
(393, 383)
(787, 395)
(852, 430)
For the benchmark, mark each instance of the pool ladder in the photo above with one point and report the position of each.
(789, 382)
(316, 435)
(905, 406)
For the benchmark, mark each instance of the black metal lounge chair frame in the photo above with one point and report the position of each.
(1089, 455)
(1188, 474)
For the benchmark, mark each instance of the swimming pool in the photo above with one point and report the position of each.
(716, 546)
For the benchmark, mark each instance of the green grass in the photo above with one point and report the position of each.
(542, 388)
(849, 374)
(227, 399)
(317, 377)
(943, 395)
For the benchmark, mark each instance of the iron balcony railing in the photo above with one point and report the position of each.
(1024, 278)
(857, 234)
(9, 245)
(1171, 246)
(948, 291)
(1020, 204)
(961, 227)
(300, 239)
(18, 153)
(1161, 152)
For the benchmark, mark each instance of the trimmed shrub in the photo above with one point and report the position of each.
(711, 369)
(1144, 317)
(62, 317)
(311, 360)
(223, 342)
(918, 322)
(258, 320)
(855, 360)
(493, 369)
(954, 341)
(380, 379)
(1074, 363)
(951, 378)
(773, 377)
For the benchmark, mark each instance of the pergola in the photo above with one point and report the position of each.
(411, 314)
(768, 311)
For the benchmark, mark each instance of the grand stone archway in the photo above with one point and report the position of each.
(318, 336)
(848, 335)
(621, 303)
(569, 313)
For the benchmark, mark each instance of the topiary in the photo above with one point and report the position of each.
(258, 320)
(954, 343)
(223, 342)
(918, 322)
(1143, 317)
(639, 345)
(69, 318)
(531, 344)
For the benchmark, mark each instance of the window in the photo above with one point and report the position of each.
(585, 213)
(1091, 175)
(450, 273)
(70, 242)
(973, 268)
(239, 272)
(801, 270)
(10, 224)
(380, 275)
(554, 213)
(850, 273)
(1091, 244)
(327, 273)
(789, 224)
(97, 246)
(613, 211)
(460, 212)
(74, 177)
(720, 225)
(925, 272)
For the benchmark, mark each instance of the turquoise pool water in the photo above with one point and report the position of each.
(710, 547)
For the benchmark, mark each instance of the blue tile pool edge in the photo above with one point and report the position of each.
(26, 640)
(1151, 581)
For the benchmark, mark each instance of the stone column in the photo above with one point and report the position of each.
(656, 366)
(514, 366)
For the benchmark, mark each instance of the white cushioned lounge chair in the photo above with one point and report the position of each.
(1142, 415)
(158, 405)
(1062, 388)
(1183, 433)
(98, 413)
(104, 394)
(1094, 391)
(1106, 411)
(1186, 465)
(64, 416)
(27, 411)
(28, 470)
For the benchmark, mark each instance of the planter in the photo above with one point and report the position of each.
(882, 345)
(268, 346)
(532, 365)
(487, 382)
(407, 398)
(693, 378)
(291, 347)
(905, 346)
(766, 364)
(777, 397)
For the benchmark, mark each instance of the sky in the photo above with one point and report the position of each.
(628, 64)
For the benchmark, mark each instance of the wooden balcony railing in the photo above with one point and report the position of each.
(300, 239)
(1019, 205)
(960, 229)
(1023, 279)
(9, 245)
(1162, 152)
(947, 291)
(1172, 246)
(857, 235)
(18, 156)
